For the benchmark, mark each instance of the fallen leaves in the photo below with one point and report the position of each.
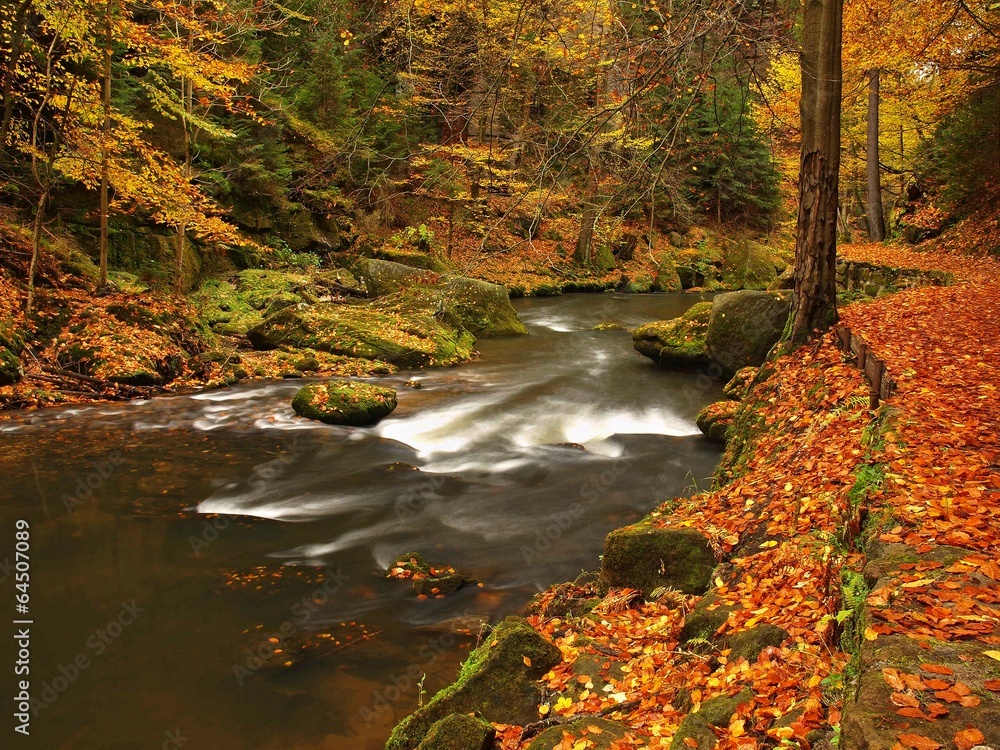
(966, 739)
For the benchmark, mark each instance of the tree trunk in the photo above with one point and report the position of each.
(36, 245)
(814, 301)
(187, 97)
(876, 213)
(582, 254)
(105, 145)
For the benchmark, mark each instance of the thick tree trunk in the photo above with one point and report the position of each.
(876, 213)
(814, 301)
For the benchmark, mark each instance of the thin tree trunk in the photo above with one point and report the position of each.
(36, 243)
(876, 212)
(814, 301)
(187, 96)
(105, 146)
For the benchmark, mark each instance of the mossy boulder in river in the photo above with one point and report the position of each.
(743, 327)
(648, 557)
(401, 330)
(716, 419)
(345, 402)
(459, 732)
(498, 682)
(484, 308)
(678, 343)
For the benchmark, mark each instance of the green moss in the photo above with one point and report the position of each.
(403, 329)
(344, 402)
(676, 343)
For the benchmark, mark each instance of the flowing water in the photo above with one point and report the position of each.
(207, 571)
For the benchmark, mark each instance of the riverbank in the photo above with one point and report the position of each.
(853, 601)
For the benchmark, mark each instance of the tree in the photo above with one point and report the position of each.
(876, 213)
(814, 300)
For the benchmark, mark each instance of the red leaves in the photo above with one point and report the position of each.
(918, 742)
(966, 739)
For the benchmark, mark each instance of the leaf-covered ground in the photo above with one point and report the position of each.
(821, 487)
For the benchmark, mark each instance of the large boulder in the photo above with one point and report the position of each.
(344, 402)
(237, 305)
(498, 681)
(403, 329)
(384, 277)
(678, 343)
(747, 265)
(667, 279)
(647, 557)
(744, 326)
(484, 309)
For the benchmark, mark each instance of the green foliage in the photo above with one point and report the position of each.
(962, 160)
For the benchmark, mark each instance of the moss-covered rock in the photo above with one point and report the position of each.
(750, 643)
(738, 386)
(747, 265)
(611, 732)
(713, 713)
(498, 681)
(346, 402)
(705, 619)
(459, 732)
(11, 370)
(484, 309)
(402, 329)
(744, 326)
(667, 278)
(647, 557)
(678, 343)
(604, 259)
(716, 419)
(384, 277)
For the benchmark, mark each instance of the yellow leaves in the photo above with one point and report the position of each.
(992, 654)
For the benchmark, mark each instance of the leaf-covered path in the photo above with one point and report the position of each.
(839, 529)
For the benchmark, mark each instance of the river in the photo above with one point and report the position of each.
(176, 541)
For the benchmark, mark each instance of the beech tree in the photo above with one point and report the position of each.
(814, 301)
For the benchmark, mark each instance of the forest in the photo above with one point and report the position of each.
(501, 374)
